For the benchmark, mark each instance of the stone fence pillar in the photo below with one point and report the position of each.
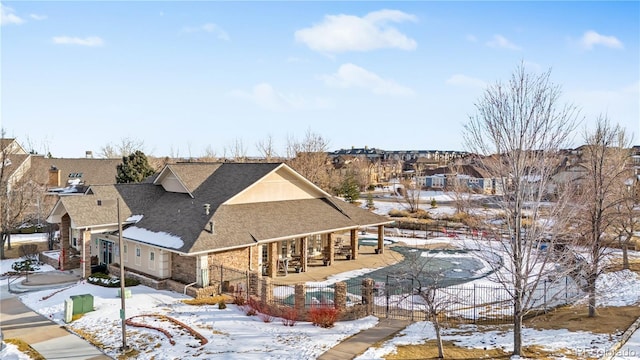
(340, 296)
(254, 284)
(300, 299)
(367, 295)
(267, 291)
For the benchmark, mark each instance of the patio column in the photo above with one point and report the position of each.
(85, 247)
(354, 244)
(272, 259)
(202, 270)
(331, 250)
(304, 253)
(380, 239)
(65, 242)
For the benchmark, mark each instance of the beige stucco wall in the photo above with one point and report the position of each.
(277, 186)
(160, 267)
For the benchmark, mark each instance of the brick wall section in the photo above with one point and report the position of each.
(367, 295)
(183, 268)
(65, 227)
(340, 296)
(236, 259)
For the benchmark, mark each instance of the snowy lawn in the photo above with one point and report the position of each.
(230, 334)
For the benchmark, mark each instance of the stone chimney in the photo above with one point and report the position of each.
(54, 176)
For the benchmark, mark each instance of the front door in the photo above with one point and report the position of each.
(106, 248)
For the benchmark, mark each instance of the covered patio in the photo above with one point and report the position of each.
(326, 250)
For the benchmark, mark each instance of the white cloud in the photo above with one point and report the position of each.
(591, 38)
(500, 41)
(8, 16)
(352, 76)
(265, 96)
(37, 16)
(341, 33)
(88, 41)
(466, 81)
(209, 28)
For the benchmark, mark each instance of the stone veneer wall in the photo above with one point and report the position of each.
(65, 227)
(238, 259)
(183, 268)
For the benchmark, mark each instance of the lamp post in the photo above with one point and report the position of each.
(122, 281)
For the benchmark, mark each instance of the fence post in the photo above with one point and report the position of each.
(474, 304)
(412, 298)
(367, 295)
(387, 289)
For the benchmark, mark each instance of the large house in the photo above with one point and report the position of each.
(245, 216)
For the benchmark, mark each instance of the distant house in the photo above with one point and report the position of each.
(245, 216)
(52, 177)
(469, 177)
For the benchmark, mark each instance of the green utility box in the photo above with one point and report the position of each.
(82, 303)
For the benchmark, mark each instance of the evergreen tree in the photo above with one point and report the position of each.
(350, 189)
(134, 168)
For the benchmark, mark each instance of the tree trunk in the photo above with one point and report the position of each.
(625, 256)
(436, 325)
(591, 288)
(517, 327)
(2, 247)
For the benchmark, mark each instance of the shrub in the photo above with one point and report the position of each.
(209, 300)
(323, 316)
(222, 305)
(105, 280)
(434, 203)
(398, 213)
(289, 316)
(25, 265)
(266, 317)
(239, 300)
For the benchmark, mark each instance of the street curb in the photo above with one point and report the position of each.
(613, 350)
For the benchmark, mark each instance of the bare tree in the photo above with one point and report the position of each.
(209, 154)
(602, 190)
(626, 220)
(266, 148)
(126, 147)
(409, 195)
(523, 124)
(238, 151)
(457, 186)
(309, 158)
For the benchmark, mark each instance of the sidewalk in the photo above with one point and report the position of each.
(45, 336)
(360, 342)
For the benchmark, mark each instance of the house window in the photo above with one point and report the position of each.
(138, 255)
(152, 260)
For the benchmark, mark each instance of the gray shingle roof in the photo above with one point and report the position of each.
(180, 215)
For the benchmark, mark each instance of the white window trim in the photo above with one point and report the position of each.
(138, 255)
(152, 260)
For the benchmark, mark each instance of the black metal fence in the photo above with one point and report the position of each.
(468, 303)
(228, 280)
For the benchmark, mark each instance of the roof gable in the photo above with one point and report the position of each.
(281, 184)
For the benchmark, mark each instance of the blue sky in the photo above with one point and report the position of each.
(184, 76)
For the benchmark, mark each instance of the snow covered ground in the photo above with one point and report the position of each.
(230, 334)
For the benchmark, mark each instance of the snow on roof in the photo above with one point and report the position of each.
(154, 238)
(134, 218)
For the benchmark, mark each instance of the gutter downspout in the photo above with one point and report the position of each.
(186, 286)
